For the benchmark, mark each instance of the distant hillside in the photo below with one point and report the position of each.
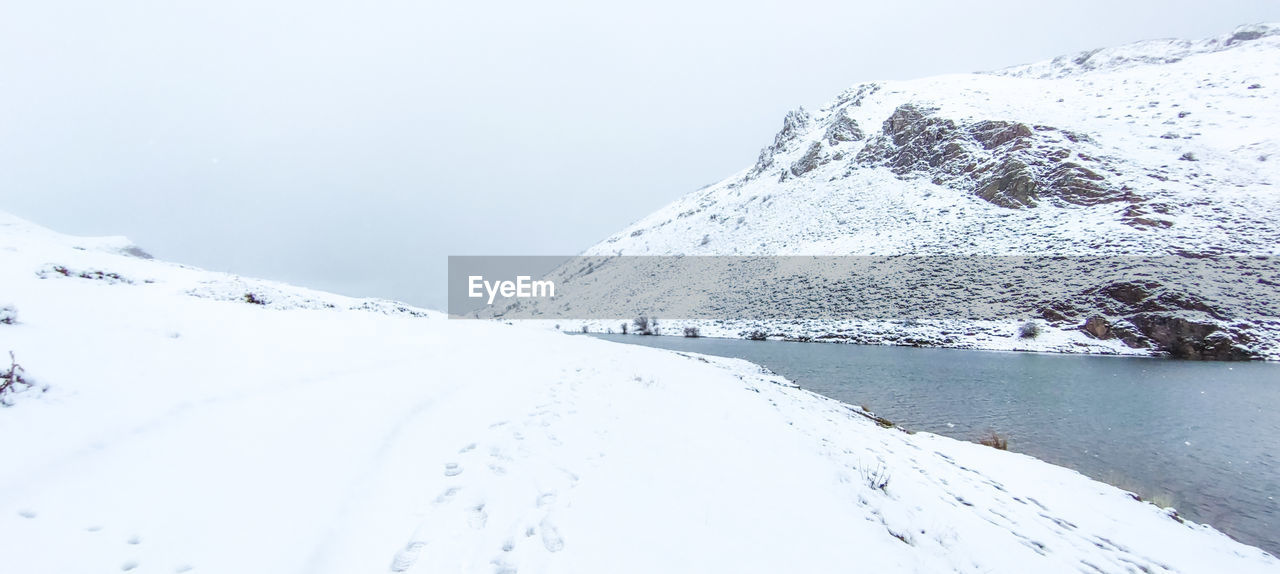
(1164, 147)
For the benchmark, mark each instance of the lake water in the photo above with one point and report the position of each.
(1203, 437)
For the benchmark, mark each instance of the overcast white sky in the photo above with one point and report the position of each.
(352, 145)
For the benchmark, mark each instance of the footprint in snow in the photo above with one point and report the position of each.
(452, 469)
(546, 498)
(27, 513)
(467, 448)
(407, 556)
(130, 565)
(478, 517)
(551, 539)
(135, 540)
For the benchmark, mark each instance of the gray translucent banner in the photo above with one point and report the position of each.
(859, 288)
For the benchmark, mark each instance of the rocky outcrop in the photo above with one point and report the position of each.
(1187, 339)
(810, 160)
(1098, 327)
(1145, 314)
(793, 125)
(1009, 164)
(842, 129)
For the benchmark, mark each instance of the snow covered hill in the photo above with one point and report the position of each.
(1157, 148)
(176, 420)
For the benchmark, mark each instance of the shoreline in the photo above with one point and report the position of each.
(1063, 350)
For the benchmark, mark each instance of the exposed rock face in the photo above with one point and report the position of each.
(810, 160)
(842, 129)
(793, 125)
(1009, 164)
(1146, 314)
(1098, 327)
(1189, 339)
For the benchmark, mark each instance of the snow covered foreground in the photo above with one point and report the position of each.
(185, 428)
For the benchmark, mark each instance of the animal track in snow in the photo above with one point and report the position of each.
(452, 469)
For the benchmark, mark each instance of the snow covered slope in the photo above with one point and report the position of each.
(1157, 148)
(174, 424)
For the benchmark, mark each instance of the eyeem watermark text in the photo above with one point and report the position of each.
(522, 287)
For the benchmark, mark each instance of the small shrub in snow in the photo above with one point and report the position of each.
(876, 477)
(94, 274)
(994, 440)
(624, 328)
(253, 299)
(1029, 330)
(10, 378)
(585, 329)
(757, 335)
(691, 332)
(646, 325)
(1188, 157)
(8, 315)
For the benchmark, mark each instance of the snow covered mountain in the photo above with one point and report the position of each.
(169, 419)
(1164, 147)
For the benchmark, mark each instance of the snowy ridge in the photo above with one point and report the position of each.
(1165, 51)
(1158, 148)
(113, 260)
(179, 433)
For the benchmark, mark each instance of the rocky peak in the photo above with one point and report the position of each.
(1008, 163)
(794, 125)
